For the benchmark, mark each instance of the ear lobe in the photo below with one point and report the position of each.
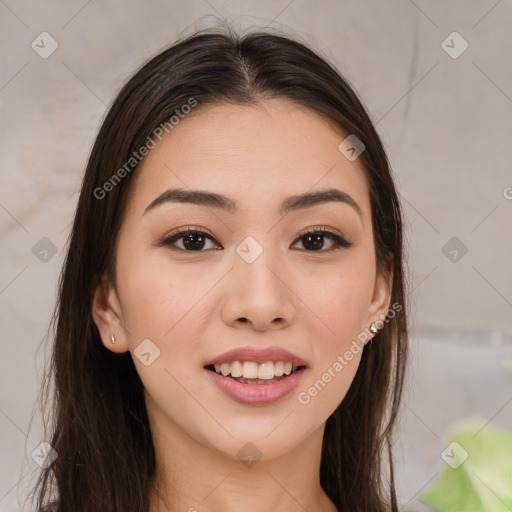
(381, 299)
(106, 313)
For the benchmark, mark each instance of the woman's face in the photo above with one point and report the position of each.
(251, 279)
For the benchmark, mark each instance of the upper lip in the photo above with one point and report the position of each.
(257, 355)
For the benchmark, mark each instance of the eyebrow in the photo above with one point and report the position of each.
(290, 204)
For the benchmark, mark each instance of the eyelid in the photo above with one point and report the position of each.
(184, 229)
(305, 231)
(326, 229)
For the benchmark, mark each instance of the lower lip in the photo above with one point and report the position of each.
(257, 394)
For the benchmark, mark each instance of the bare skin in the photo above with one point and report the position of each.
(194, 304)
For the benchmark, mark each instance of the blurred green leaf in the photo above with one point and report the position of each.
(483, 482)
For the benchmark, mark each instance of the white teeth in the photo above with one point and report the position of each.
(252, 370)
(266, 371)
(236, 369)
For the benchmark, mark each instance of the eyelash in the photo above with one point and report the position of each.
(339, 241)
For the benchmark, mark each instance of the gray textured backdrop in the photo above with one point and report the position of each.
(444, 112)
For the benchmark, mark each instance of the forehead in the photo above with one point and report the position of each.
(256, 154)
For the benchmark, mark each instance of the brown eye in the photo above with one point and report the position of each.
(313, 241)
(192, 241)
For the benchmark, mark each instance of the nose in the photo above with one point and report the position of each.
(258, 295)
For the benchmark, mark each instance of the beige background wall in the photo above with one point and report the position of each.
(446, 123)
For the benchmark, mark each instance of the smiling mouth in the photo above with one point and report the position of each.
(245, 380)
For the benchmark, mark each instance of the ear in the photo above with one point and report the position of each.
(106, 313)
(381, 299)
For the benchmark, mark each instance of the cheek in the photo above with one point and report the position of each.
(340, 299)
(348, 308)
(340, 296)
(164, 306)
(159, 300)
(342, 308)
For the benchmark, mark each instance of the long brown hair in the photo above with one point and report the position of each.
(99, 425)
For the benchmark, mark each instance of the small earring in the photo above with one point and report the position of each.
(374, 330)
(112, 338)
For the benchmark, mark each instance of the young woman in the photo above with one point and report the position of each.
(231, 326)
